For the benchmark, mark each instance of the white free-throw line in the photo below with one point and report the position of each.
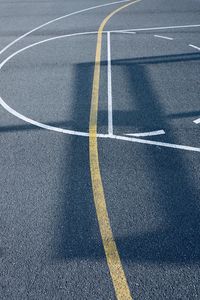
(151, 133)
(163, 37)
(197, 121)
(57, 19)
(195, 47)
(157, 28)
(110, 110)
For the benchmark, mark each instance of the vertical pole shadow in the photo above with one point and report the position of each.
(78, 235)
(179, 239)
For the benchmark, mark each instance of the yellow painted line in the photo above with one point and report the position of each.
(114, 263)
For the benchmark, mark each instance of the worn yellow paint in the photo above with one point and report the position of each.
(114, 263)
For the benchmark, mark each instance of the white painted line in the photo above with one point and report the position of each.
(151, 133)
(163, 37)
(147, 142)
(42, 42)
(110, 109)
(31, 121)
(57, 19)
(85, 134)
(129, 32)
(157, 28)
(38, 124)
(197, 121)
(78, 133)
(195, 47)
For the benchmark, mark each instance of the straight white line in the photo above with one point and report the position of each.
(163, 37)
(130, 32)
(158, 28)
(193, 46)
(151, 133)
(57, 19)
(197, 121)
(110, 109)
(168, 145)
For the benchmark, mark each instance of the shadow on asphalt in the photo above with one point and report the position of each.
(143, 117)
(83, 75)
(77, 234)
(163, 59)
(179, 241)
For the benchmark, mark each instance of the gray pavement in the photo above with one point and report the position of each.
(50, 244)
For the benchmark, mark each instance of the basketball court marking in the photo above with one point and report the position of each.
(86, 134)
(113, 259)
(58, 19)
(163, 37)
(151, 133)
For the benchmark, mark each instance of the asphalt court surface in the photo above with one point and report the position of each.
(51, 247)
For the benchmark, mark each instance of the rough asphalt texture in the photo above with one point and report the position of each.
(50, 245)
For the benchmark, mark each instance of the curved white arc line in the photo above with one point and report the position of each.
(29, 120)
(57, 19)
(42, 42)
(85, 134)
(45, 126)
(78, 133)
